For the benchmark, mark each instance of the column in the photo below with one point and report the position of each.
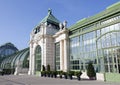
(32, 55)
(65, 55)
(30, 60)
(42, 54)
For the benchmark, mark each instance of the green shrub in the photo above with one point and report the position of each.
(71, 73)
(64, 73)
(43, 68)
(90, 70)
(60, 72)
(78, 73)
(8, 71)
(55, 74)
(48, 67)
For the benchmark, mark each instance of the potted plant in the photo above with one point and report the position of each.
(91, 72)
(60, 73)
(70, 74)
(78, 74)
(48, 67)
(43, 68)
(43, 73)
(48, 70)
(52, 72)
(55, 74)
(65, 75)
(48, 73)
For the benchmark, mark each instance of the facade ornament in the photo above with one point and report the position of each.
(64, 24)
(38, 29)
(50, 25)
(49, 11)
(61, 26)
(45, 24)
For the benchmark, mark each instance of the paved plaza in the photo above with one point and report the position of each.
(35, 80)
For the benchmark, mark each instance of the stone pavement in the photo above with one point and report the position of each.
(35, 80)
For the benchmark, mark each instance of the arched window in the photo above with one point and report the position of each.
(108, 51)
(38, 58)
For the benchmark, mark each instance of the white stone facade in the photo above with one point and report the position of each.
(46, 38)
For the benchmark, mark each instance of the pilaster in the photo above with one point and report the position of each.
(65, 55)
(61, 55)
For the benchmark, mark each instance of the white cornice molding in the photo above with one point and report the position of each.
(64, 31)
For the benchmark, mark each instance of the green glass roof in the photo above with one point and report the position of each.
(115, 8)
(12, 59)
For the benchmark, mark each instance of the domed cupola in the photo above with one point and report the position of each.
(49, 24)
(50, 18)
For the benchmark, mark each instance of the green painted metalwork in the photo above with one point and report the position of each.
(114, 5)
(107, 33)
(112, 77)
(109, 60)
(10, 61)
(93, 29)
(108, 12)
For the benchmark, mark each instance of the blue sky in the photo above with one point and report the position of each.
(19, 17)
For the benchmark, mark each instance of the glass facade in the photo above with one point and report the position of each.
(10, 61)
(57, 56)
(108, 45)
(100, 46)
(82, 51)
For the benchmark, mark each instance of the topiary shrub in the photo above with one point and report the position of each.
(65, 75)
(48, 67)
(91, 72)
(43, 68)
(55, 74)
(43, 72)
(60, 73)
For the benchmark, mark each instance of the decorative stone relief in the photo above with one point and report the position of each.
(63, 25)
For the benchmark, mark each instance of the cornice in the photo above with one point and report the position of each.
(64, 31)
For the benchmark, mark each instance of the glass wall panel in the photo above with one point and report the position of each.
(108, 45)
(83, 50)
(57, 56)
(101, 47)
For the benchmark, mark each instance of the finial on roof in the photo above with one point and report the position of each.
(49, 11)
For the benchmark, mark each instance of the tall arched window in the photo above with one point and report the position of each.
(109, 51)
(38, 58)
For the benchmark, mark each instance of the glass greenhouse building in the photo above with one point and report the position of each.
(95, 39)
(10, 62)
(7, 49)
